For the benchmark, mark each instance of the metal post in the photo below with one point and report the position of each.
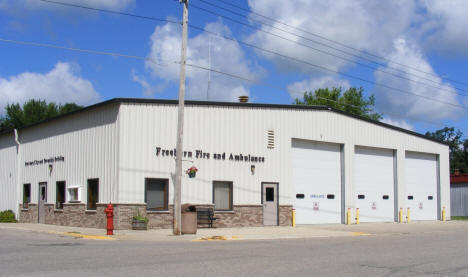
(357, 216)
(348, 216)
(180, 126)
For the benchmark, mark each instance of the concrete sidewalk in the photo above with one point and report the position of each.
(248, 233)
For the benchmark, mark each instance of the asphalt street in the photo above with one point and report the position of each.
(441, 253)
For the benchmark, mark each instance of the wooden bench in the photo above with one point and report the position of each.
(205, 216)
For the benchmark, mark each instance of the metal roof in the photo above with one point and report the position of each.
(229, 104)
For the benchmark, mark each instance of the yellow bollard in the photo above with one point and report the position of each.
(408, 217)
(400, 216)
(357, 215)
(443, 214)
(293, 217)
(348, 216)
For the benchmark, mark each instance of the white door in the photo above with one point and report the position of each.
(316, 176)
(41, 210)
(270, 203)
(421, 185)
(374, 183)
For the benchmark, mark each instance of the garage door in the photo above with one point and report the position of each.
(316, 169)
(421, 185)
(374, 183)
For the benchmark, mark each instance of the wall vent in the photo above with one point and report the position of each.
(271, 139)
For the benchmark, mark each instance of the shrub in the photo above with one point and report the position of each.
(7, 216)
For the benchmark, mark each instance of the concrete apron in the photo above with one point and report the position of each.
(247, 233)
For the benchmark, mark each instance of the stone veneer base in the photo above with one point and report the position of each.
(75, 214)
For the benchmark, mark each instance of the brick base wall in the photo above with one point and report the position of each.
(29, 214)
(75, 214)
(285, 215)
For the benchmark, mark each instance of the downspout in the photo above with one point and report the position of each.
(18, 172)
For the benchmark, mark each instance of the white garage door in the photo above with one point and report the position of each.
(316, 181)
(421, 185)
(374, 183)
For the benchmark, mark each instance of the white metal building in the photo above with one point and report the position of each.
(256, 162)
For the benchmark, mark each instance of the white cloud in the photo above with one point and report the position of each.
(60, 85)
(363, 24)
(225, 55)
(398, 122)
(445, 23)
(409, 105)
(297, 89)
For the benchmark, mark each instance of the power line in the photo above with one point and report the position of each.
(110, 11)
(287, 57)
(330, 40)
(255, 82)
(176, 22)
(167, 63)
(114, 54)
(323, 68)
(328, 53)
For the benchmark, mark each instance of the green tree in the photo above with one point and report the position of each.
(458, 148)
(351, 101)
(31, 112)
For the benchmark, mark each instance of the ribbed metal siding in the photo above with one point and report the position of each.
(244, 130)
(87, 141)
(459, 199)
(8, 173)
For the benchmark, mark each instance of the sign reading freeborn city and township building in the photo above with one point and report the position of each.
(200, 154)
(45, 161)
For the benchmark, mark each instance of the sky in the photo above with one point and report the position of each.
(411, 54)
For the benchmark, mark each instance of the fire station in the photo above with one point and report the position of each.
(255, 163)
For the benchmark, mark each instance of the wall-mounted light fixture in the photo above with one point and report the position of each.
(50, 169)
(252, 169)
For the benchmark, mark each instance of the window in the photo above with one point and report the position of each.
(26, 195)
(60, 195)
(269, 194)
(222, 196)
(156, 194)
(93, 193)
(74, 194)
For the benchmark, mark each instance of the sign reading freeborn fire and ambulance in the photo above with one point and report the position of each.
(199, 154)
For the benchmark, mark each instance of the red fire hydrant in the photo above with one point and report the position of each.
(110, 219)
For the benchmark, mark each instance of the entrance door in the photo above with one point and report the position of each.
(270, 203)
(421, 185)
(42, 201)
(374, 184)
(316, 169)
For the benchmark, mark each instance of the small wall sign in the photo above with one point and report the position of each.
(45, 161)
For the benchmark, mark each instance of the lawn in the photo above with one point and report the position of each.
(459, 217)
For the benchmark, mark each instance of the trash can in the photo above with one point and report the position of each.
(189, 219)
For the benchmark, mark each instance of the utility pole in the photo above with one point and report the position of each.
(180, 126)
